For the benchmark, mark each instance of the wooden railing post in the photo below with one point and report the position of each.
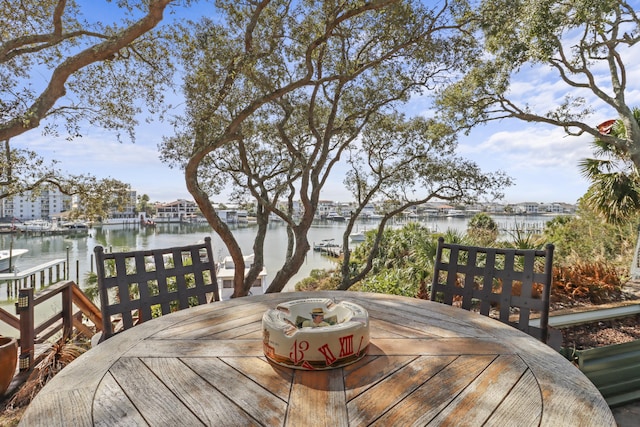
(24, 308)
(67, 311)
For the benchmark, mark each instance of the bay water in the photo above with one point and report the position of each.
(78, 251)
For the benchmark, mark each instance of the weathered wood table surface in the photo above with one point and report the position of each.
(428, 364)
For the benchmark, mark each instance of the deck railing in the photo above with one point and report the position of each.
(41, 275)
(64, 321)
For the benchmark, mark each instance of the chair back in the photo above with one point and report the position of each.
(496, 281)
(139, 285)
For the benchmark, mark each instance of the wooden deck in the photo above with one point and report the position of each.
(427, 364)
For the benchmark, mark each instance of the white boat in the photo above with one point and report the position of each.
(8, 258)
(325, 244)
(358, 236)
(35, 225)
(225, 273)
(455, 213)
(374, 216)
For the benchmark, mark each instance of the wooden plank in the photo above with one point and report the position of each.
(385, 329)
(436, 346)
(392, 390)
(360, 377)
(81, 328)
(437, 319)
(475, 404)
(210, 322)
(206, 364)
(62, 408)
(9, 318)
(317, 398)
(418, 318)
(111, 407)
(197, 348)
(562, 387)
(252, 397)
(433, 396)
(210, 405)
(258, 368)
(87, 306)
(514, 402)
(151, 398)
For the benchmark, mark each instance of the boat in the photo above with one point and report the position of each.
(225, 273)
(455, 213)
(8, 258)
(325, 244)
(7, 229)
(35, 225)
(74, 225)
(374, 216)
(358, 236)
(335, 216)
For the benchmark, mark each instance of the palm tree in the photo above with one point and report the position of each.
(615, 189)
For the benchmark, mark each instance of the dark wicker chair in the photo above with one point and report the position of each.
(507, 284)
(136, 286)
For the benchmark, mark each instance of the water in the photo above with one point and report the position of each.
(79, 250)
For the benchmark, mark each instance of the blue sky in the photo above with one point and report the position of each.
(541, 159)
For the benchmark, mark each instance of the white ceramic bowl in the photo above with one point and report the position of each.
(343, 341)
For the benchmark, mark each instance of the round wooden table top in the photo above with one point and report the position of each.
(427, 364)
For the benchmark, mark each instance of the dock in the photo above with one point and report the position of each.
(332, 251)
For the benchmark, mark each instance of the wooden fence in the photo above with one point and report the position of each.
(62, 322)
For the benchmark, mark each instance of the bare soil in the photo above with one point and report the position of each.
(606, 332)
(598, 334)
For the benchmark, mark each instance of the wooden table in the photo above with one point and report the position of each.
(428, 364)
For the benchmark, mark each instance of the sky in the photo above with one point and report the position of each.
(541, 159)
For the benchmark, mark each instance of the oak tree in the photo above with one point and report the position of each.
(582, 47)
(283, 89)
(62, 65)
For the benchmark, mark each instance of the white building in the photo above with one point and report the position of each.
(26, 207)
(126, 212)
(175, 211)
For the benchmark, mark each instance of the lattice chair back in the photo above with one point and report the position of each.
(139, 285)
(507, 284)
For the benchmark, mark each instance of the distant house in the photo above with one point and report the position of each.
(560, 208)
(233, 216)
(324, 207)
(528, 208)
(175, 211)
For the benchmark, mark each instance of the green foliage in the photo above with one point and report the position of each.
(587, 237)
(482, 229)
(404, 264)
(523, 239)
(318, 280)
(62, 66)
(90, 287)
(145, 206)
(615, 182)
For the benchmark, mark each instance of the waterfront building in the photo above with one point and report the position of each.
(127, 212)
(27, 206)
(175, 211)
